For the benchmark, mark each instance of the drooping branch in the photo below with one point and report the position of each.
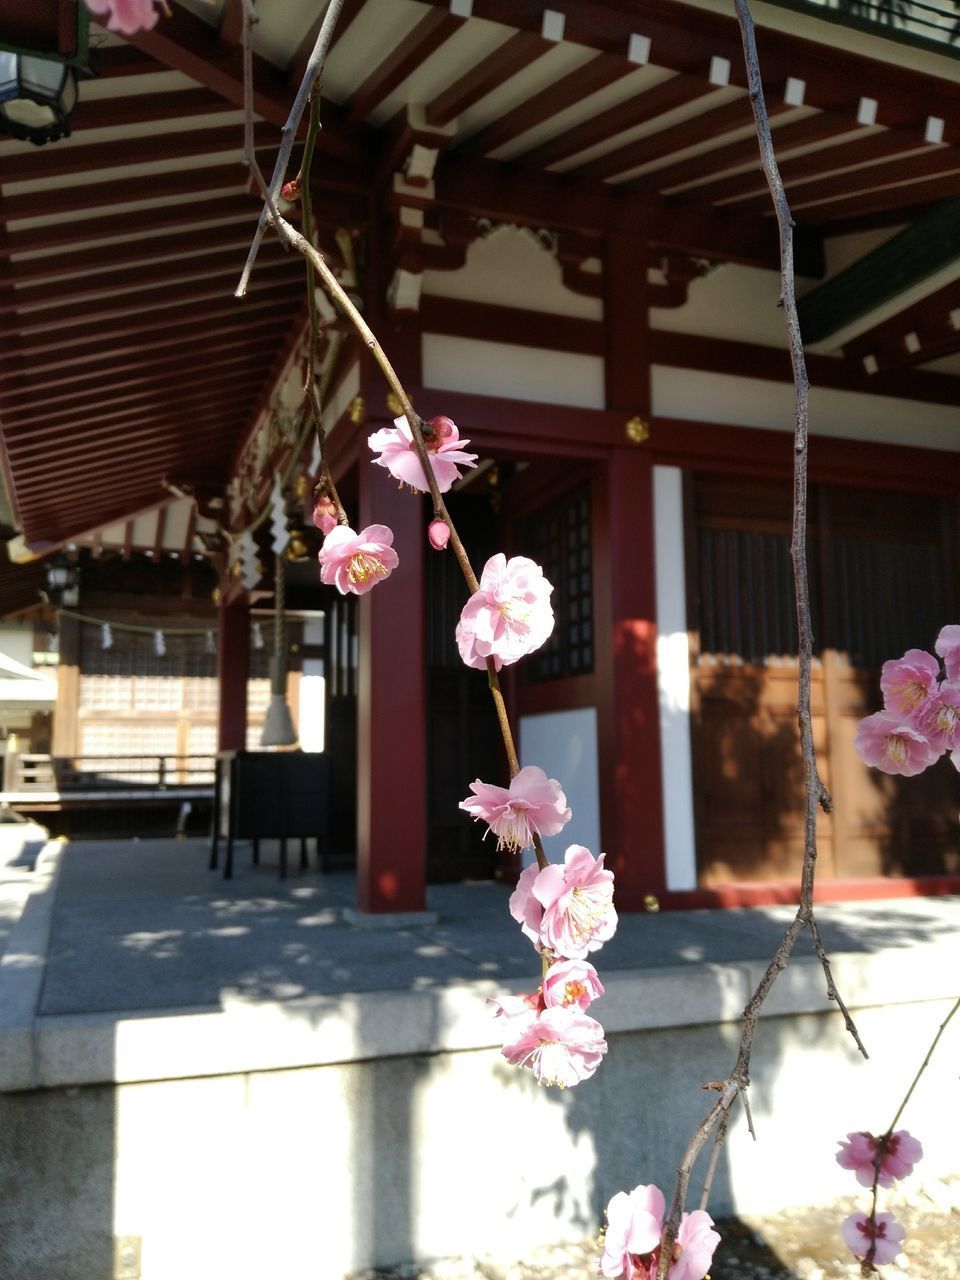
(311, 76)
(816, 796)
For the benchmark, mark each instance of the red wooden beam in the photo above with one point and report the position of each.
(298, 64)
(665, 96)
(574, 87)
(916, 171)
(432, 31)
(786, 137)
(140, 108)
(713, 123)
(517, 52)
(277, 292)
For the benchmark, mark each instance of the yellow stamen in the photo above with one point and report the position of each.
(362, 566)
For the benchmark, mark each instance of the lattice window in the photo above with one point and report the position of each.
(558, 538)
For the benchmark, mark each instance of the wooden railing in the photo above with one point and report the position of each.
(66, 774)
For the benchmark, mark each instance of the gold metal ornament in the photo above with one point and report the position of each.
(637, 430)
(357, 409)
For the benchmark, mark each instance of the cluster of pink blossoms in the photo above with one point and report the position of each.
(876, 1238)
(567, 911)
(920, 719)
(631, 1243)
(128, 16)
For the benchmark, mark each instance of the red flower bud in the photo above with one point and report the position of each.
(291, 190)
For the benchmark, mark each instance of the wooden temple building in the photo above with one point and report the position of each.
(554, 217)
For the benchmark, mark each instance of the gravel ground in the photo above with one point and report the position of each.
(797, 1244)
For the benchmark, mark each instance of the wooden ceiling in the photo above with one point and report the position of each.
(126, 359)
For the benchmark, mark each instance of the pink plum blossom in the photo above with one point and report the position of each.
(355, 562)
(860, 1236)
(128, 16)
(532, 805)
(520, 1006)
(509, 616)
(938, 719)
(571, 982)
(438, 534)
(398, 453)
(907, 682)
(888, 741)
(561, 1046)
(697, 1241)
(633, 1231)
(325, 514)
(632, 1239)
(859, 1152)
(577, 901)
(948, 647)
(524, 907)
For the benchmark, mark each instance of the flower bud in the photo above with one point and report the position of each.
(291, 190)
(325, 514)
(439, 534)
(439, 429)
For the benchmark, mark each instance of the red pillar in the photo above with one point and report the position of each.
(629, 711)
(391, 713)
(233, 663)
(629, 714)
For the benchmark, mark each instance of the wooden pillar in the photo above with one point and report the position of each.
(391, 710)
(629, 716)
(65, 718)
(233, 667)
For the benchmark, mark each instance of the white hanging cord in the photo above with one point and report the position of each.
(106, 636)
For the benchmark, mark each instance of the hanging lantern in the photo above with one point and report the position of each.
(38, 86)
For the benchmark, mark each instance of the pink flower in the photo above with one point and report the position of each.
(128, 16)
(560, 1046)
(571, 982)
(632, 1239)
(532, 804)
(509, 616)
(860, 1237)
(907, 682)
(325, 514)
(901, 1152)
(438, 534)
(577, 901)
(888, 741)
(697, 1242)
(948, 647)
(355, 562)
(938, 719)
(524, 907)
(521, 1006)
(398, 453)
(633, 1231)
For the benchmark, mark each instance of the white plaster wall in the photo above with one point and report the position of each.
(564, 745)
(520, 373)
(673, 679)
(751, 402)
(511, 268)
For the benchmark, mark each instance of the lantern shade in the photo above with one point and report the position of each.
(37, 96)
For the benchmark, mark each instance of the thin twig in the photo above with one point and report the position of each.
(816, 795)
(289, 133)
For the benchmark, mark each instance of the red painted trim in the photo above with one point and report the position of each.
(556, 695)
(749, 360)
(753, 452)
(525, 328)
(776, 893)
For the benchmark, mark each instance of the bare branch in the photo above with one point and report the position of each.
(310, 77)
